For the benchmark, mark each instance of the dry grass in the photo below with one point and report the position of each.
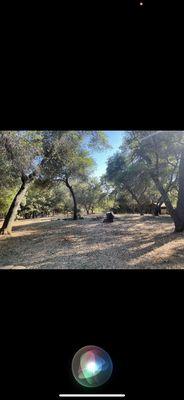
(130, 242)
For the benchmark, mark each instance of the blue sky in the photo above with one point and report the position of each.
(115, 140)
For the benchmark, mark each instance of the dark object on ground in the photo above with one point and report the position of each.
(109, 217)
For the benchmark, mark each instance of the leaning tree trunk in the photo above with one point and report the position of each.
(12, 212)
(179, 211)
(74, 199)
(164, 195)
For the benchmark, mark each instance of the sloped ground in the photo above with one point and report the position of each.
(130, 242)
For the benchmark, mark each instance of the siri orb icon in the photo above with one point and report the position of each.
(91, 366)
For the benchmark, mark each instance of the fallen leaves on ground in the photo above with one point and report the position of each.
(130, 242)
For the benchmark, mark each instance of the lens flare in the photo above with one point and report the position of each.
(92, 366)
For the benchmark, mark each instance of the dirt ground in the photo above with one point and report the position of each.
(130, 242)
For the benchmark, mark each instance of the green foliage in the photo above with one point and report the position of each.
(97, 140)
(45, 201)
(6, 197)
(66, 156)
(21, 150)
(89, 194)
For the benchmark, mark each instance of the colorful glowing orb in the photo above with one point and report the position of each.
(92, 366)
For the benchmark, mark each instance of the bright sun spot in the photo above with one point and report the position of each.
(91, 366)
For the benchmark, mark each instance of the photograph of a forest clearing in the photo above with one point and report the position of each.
(91, 199)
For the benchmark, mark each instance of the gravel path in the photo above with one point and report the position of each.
(130, 242)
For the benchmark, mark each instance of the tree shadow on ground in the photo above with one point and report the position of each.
(161, 219)
(144, 218)
(52, 244)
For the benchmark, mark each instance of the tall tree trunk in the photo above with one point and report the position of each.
(12, 212)
(74, 199)
(179, 211)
